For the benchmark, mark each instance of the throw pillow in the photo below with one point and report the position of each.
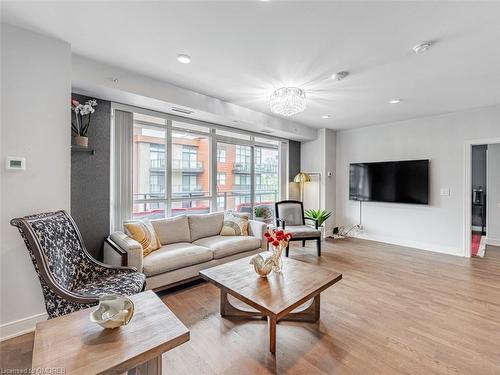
(144, 233)
(234, 225)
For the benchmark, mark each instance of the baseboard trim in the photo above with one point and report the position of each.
(449, 250)
(492, 241)
(21, 326)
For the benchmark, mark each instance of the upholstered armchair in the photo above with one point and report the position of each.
(70, 278)
(290, 217)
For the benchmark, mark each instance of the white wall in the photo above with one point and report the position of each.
(493, 195)
(440, 225)
(35, 124)
(318, 156)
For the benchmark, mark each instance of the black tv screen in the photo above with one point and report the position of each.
(390, 181)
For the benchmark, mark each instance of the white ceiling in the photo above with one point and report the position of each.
(242, 51)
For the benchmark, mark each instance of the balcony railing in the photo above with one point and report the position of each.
(158, 163)
(258, 188)
(178, 165)
(259, 168)
(187, 165)
(187, 188)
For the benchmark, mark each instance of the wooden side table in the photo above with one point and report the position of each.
(72, 344)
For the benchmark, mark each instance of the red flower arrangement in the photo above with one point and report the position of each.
(277, 237)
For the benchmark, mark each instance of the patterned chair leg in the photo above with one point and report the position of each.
(287, 250)
(319, 246)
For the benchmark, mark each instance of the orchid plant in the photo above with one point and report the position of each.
(83, 113)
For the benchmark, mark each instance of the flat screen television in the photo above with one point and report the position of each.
(390, 181)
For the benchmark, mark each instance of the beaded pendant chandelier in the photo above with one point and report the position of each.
(288, 101)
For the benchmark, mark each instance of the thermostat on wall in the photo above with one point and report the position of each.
(16, 164)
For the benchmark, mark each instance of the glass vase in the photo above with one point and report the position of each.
(278, 263)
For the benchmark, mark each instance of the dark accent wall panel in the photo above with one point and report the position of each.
(294, 159)
(90, 179)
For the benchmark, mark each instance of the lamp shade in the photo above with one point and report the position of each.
(302, 177)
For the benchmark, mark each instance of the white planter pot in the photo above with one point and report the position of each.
(322, 229)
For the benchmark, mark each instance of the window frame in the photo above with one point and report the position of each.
(213, 139)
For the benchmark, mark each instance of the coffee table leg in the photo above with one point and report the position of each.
(271, 322)
(223, 302)
(151, 367)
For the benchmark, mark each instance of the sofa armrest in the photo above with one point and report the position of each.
(257, 229)
(131, 247)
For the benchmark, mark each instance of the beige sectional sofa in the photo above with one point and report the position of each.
(190, 243)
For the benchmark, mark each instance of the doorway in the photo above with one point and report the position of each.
(479, 171)
(482, 200)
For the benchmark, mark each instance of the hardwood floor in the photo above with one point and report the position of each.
(396, 311)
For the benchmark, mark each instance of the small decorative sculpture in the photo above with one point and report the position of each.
(113, 311)
(262, 266)
(279, 240)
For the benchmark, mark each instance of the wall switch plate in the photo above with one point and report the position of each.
(445, 192)
(15, 163)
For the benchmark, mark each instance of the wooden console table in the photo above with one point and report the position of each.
(73, 344)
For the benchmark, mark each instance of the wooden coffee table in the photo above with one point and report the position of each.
(72, 344)
(277, 297)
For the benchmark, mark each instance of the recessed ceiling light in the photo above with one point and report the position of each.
(185, 59)
(422, 47)
(326, 116)
(340, 75)
(395, 101)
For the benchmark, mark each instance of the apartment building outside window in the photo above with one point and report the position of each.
(221, 155)
(172, 171)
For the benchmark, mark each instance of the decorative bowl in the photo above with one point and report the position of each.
(263, 267)
(113, 311)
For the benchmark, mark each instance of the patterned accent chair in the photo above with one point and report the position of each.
(70, 278)
(290, 217)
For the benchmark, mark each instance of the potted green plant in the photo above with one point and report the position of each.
(321, 216)
(260, 213)
(81, 125)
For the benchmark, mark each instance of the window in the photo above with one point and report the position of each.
(221, 178)
(157, 155)
(243, 155)
(148, 167)
(221, 155)
(190, 183)
(266, 182)
(171, 168)
(190, 163)
(189, 157)
(220, 203)
(242, 179)
(157, 182)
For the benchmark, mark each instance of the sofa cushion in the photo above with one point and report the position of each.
(205, 225)
(175, 256)
(234, 225)
(143, 232)
(172, 230)
(223, 246)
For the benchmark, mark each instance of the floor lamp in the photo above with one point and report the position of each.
(301, 178)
